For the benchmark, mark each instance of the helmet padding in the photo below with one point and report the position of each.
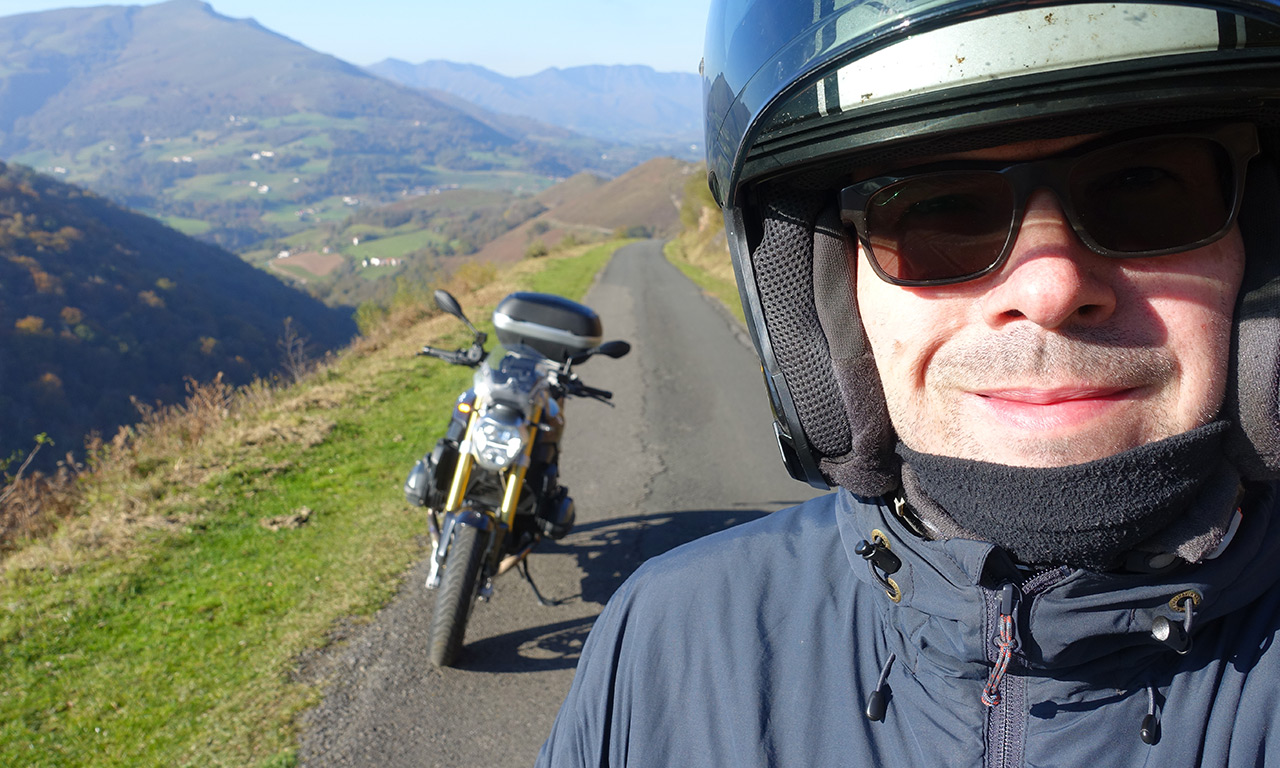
(783, 265)
(804, 281)
(1253, 389)
(871, 466)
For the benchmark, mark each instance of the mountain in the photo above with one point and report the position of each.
(75, 77)
(633, 104)
(98, 304)
(229, 130)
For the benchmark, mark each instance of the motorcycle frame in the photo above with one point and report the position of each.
(495, 524)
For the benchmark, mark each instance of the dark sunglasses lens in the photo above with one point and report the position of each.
(944, 226)
(1158, 194)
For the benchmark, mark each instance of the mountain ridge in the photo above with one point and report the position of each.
(632, 103)
(126, 66)
(243, 135)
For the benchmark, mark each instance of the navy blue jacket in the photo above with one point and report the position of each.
(762, 644)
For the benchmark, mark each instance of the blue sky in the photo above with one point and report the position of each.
(513, 38)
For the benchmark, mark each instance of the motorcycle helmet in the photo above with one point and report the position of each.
(800, 93)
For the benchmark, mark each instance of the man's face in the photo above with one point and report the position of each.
(1060, 356)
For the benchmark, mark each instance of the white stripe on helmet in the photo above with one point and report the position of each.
(1023, 43)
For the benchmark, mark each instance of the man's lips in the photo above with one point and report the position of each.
(1056, 395)
(1045, 409)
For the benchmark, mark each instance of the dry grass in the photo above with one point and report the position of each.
(32, 503)
(146, 477)
(139, 480)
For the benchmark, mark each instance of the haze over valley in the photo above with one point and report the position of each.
(332, 179)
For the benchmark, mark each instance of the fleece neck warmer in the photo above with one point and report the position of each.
(1175, 496)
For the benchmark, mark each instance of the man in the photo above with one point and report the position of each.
(1012, 274)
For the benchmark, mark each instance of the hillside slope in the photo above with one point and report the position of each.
(98, 304)
(645, 201)
(701, 250)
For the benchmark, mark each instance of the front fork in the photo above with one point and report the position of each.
(495, 524)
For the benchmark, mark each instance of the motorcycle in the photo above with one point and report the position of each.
(491, 485)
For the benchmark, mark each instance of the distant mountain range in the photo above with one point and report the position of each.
(632, 104)
(228, 129)
(79, 76)
(236, 135)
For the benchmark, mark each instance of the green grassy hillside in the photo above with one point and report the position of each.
(213, 546)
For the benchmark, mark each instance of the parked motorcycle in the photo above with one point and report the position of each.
(491, 485)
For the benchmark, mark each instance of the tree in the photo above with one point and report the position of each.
(293, 344)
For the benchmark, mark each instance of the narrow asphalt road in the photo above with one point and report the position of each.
(687, 450)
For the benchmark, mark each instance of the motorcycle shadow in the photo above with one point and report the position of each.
(607, 552)
(610, 551)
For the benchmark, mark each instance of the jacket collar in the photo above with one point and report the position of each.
(1075, 621)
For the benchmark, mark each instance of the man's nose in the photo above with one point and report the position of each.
(1051, 278)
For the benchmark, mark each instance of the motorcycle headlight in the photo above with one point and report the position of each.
(496, 443)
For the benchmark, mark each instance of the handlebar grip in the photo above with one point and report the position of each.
(469, 357)
(443, 354)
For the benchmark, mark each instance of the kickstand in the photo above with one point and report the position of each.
(524, 571)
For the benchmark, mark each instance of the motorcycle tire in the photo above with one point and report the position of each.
(455, 596)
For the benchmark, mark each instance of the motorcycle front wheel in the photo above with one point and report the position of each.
(455, 596)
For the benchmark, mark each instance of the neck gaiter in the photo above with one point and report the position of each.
(1176, 495)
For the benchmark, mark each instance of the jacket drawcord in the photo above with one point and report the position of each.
(1150, 731)
(1006, 643)
(878, 702)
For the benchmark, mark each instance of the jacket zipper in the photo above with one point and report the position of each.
(1005, 693)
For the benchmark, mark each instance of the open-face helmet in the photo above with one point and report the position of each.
(801, 93)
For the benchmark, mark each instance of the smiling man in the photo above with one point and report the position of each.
(1053, 353)
(1013, 276)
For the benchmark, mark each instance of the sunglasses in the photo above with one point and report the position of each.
(1148, 196)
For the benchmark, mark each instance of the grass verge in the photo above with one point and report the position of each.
(700, 250)
(163, 625)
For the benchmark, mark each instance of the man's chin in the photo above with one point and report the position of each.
(1030, 450)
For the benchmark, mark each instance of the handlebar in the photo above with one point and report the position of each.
(473, 355)
(469, 357)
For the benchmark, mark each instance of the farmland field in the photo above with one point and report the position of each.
(314, 262)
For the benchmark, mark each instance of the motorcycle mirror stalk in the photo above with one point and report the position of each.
(614, 349)
(450, 305)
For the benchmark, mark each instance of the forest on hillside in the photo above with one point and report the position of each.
(100, 306)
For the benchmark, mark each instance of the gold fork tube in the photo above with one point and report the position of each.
(461, 473)
(515, 476)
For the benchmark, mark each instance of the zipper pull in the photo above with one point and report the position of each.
(1006, 641)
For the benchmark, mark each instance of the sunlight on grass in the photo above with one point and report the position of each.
(177, 642)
